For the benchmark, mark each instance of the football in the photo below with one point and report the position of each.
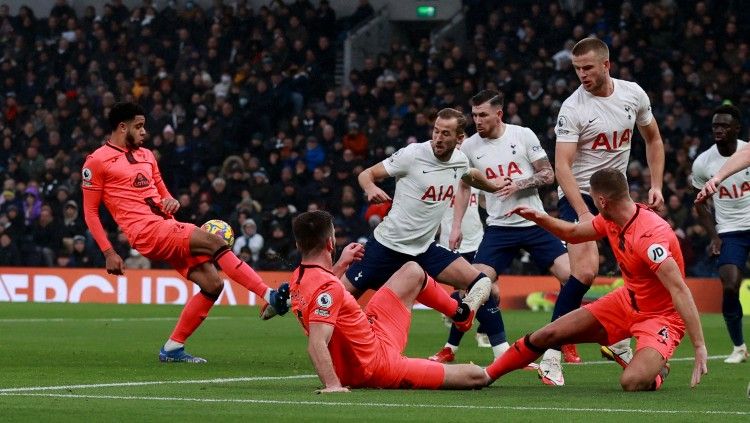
(221, 228)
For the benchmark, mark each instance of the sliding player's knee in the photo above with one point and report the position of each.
(632, 381)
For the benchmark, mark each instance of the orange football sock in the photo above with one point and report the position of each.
(240, 272)
(520, 354)
(195, 312)
(434, 296)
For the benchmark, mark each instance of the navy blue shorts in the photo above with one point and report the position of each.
(469, 256)
(566, 212)
(501, 245)
(734, 248)
(380, 263)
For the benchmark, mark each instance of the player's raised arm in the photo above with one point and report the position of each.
(669, 274)
(655, 159)
(367, 179)
(317, 347)
(351, 253)
(567, 231)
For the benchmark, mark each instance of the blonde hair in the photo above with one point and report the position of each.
(591, 44)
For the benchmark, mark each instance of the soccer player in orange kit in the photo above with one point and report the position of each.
(350, 347)
(126, 178)
(655, 306)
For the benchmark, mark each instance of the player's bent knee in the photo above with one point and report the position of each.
(632, 382)
(411, 271)
(216, 242)
(585, 277)
(213, 287)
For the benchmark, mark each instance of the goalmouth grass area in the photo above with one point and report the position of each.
(69, 362)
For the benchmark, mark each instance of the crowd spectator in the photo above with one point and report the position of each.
(256, 84)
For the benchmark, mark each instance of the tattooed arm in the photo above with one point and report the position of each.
(543, 175)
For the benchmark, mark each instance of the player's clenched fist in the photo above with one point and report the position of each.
(114, 262)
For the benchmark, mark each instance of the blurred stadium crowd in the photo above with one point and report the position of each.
(249, 125)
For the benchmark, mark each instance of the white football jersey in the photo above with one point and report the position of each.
(602, 127)
(732, 201)
(471, 227)
(511, 156)
(424, 188)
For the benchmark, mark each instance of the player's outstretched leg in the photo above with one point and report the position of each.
(447, 354)
(478, 293)
(240, 272)
(520, 354)
(434, 296)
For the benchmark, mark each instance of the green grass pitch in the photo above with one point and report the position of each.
(65, 362)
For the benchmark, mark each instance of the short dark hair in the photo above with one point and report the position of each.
(591, 44)
(124, 112)
(311, 230)
(495, 98)
(611, 183)
(449, 113)
(729, 109)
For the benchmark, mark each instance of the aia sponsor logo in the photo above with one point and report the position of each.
(734, 191)
(604, 142)
(511, 169)
(440, 193)
(140, 181)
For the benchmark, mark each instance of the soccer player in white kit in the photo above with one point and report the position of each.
(511, 153)
(730, 235)
(490, 332)
(594, 129)
(426, 175)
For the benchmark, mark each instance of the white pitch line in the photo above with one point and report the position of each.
(387, 405)
(101, 319)
(229, 380)
(155, 382)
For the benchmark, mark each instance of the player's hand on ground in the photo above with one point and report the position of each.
(332, 389)
(700, 368)
(454, 240)
(351, 253)
(169, 205)
(714, 247)
(377, 195)
(527, 213)
(113, 262)
(655, 199)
